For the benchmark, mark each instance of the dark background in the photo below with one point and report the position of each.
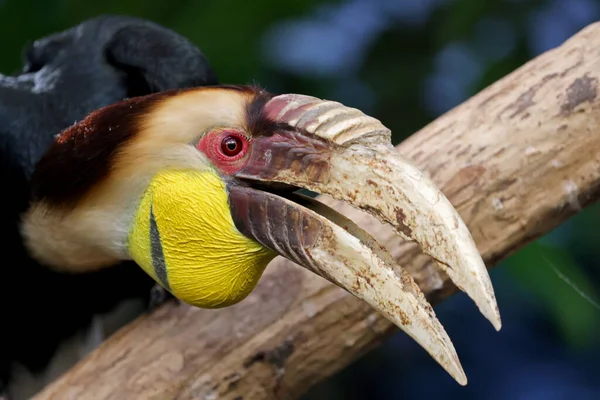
(404, 62)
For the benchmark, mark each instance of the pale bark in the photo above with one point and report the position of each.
(516, 160)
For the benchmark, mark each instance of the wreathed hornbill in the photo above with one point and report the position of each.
(200, 188)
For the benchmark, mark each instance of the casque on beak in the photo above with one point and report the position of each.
(335, 150)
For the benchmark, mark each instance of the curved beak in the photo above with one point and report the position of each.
(335, 150)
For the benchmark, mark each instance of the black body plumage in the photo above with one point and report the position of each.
(66, 76)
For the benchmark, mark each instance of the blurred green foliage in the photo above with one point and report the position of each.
(565, 291)
(228, 31)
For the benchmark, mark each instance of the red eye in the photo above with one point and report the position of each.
(227, 149)
(231, 146)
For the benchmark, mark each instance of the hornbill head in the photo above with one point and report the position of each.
(199, 187)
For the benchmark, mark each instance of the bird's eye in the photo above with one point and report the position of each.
(226, 148)
(231, 146)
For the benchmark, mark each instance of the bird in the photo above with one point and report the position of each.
(203, 187)
(46, 314)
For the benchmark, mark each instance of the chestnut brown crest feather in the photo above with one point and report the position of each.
(81, 155)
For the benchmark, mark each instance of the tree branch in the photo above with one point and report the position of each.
(516, 160)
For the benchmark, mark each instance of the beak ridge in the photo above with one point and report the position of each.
(371, 175)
